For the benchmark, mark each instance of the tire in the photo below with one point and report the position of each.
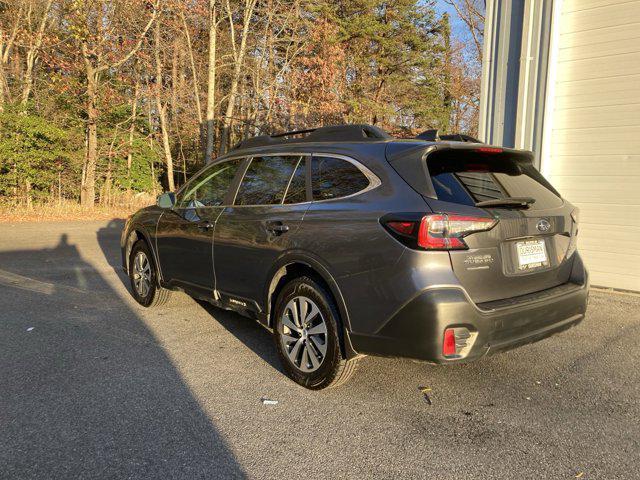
(301, 339)
(153, 295)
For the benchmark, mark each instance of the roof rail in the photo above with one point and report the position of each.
(433, 136)
(334, 133)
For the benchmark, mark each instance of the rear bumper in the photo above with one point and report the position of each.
(417, 329)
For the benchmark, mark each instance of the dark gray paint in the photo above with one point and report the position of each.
(377, 281)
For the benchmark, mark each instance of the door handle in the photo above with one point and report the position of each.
(205, 225)
(278, 228)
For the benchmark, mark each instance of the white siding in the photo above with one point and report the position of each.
(594, 158)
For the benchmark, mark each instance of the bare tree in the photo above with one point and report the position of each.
(471, 12)
(192, 64)
(94, 47)
(35, 44)
(211, 84)
(238, 51)
(6, 44)
(162, 110)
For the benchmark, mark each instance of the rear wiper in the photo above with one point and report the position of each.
(513, 202)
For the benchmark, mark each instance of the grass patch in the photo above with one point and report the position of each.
(72, 210)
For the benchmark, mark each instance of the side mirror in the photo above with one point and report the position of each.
(166, 200)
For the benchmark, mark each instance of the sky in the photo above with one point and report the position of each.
(458, 28)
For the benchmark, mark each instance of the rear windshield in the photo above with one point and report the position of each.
(469, 177)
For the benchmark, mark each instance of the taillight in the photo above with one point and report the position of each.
(573, 243)
(403, 228)
(439, 231)
(445, 232)
(575, 216)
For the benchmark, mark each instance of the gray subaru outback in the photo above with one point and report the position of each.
(346, 242)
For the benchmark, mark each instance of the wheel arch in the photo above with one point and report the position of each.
(293, 267)
(138, 232)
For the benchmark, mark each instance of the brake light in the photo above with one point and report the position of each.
(445, 231)
(489, 150)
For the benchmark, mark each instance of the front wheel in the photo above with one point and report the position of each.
(144, 277)
(306, 333)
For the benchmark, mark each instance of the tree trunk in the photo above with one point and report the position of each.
(237, 71)
(175, 60)
(150, 120)
(107, 184)
(211, 88)
(32, 55)
(5, 50)
(88, 185)
(132, 129)
(27, 192)
(2, 79)
(162, 114)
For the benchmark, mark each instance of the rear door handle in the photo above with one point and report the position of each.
(278, 228)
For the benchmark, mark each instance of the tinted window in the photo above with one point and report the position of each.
(266, 180)
(333, 178)
(468, 179)
(209, 187)
(297, 191)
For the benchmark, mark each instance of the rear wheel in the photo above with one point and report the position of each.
(144, 277)
(306, 334)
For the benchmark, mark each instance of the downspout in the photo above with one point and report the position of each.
(549, 103)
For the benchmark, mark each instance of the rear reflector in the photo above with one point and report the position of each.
(449, 344)
(457, 342)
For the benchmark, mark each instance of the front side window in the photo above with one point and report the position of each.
(266, 180)
(333, 178)
(210, 187)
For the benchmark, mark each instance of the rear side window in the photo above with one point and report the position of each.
(468, 178)
(266, 180)
(335, 178)
(297, 191)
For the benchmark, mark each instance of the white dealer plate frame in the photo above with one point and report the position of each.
(532, 254)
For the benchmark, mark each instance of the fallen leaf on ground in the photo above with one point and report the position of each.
(425, 392)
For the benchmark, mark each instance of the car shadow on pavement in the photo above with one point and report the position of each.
(109, 240)
(247, 331)
(87, 390)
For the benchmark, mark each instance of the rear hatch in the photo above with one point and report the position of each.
(531, 246)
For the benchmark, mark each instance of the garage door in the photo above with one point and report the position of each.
(595, 144)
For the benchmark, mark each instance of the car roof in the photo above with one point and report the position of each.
(354, 140)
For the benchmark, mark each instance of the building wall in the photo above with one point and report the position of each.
(594, 132)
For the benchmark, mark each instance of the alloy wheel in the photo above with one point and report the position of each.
(303, 334)
(142, 274)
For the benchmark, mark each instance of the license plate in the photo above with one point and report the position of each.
(531, 254)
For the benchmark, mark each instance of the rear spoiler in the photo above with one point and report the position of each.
(409, 159)
(433, 136)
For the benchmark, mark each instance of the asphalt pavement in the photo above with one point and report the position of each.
(94, 386)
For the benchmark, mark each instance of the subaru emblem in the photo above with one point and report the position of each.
(543, 226)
